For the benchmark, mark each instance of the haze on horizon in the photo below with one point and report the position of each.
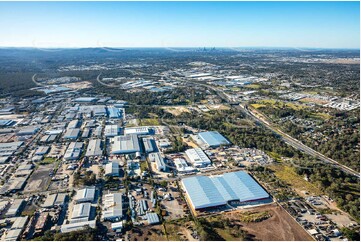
(180, 24)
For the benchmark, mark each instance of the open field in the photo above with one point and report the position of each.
(149, 122)
(40, 179)
(176, 110)
(277, 104)
(277, 225)
(313, 100)
(288, 175)
(148, 233)
(179, 230)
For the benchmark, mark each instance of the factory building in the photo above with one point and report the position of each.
(94, 148)
(73, 124)
(85, 99)
(149, 145)
(197, 157)
(66, 228)
(112, 207)
(73, 151)
(71, 134)
(235, 187)
(126, 144)
(137, 130)
(15, 208)
(7, 149)
(85, 195)
(29, 130)
(48, 138)
(182, 166)
(159, 161)
(112, 169)
(81, 213)
(42, 150)
(114, 112)
(213, 139)
(111, 130)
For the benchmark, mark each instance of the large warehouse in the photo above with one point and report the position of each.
(206, 192)
(213, 139)
(126, 144)
(197, 157)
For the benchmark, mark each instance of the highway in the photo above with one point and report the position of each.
(287, 138)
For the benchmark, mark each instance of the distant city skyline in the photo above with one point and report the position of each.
(180, 24)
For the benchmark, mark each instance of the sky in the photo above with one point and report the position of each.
(180, 24)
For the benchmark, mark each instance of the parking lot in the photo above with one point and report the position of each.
(40, 179)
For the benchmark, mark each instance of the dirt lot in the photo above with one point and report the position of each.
(148, 233)
(280, 226)
(40, 179)
(176, 110)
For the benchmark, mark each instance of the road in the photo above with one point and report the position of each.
(287, 138)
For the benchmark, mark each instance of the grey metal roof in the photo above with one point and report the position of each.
(153, 218)
(206, 191)
(94, 148)
(81, 210)
(125, 144)
(213, 138)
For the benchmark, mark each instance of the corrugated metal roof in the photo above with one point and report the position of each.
(206, 191)
(213, 138)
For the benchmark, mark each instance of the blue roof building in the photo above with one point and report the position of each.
(213, 138)
(205, 192)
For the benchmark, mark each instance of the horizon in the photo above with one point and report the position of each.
(321, 25)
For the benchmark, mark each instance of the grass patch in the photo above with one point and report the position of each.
(149, 122)
(253, 86)
(47, 160)
(323, 116)
(254, 217)
(277, 104)
(289, 176)
(143, 166)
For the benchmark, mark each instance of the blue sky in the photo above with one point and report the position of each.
(180, 24)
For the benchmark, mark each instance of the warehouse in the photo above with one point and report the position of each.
(48, 138)
(7, 149)
(81, 213)
(112, 169)
(206, 192)
(149, 145)
(93, 110)
(111, 130)
(126, 144)
(113, 207)
(159, 161)
(213, 139)
(182, 166)
(86, 133)
(85, 99)
(114, 112)
(15, 208)
(73, 124)
(66, 228)
(42, 150)
(85, 195)
(94, 148)
(29, 130)
(197, 157)
(137, 130)
(74, 150)
(71, 134)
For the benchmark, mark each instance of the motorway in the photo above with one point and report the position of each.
(287, 138)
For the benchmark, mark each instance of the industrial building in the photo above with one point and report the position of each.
(153, 218)
(114, 112)
(137, 130)
(213, 139)
(73, 151)
(112, 169)
(80, 213)
(73, 124)
(86, 133)
(7, 149)
(94, 148)
(41, 150)
(159, 161)
(15, 208)
(48, 138)
(182, 166)
(66, 228)
(29, 130)
(112, 207)
(197, 157)
(52, 200)
(85, 99)
(85, 195)
(126, 144)
(111, 130)
(205, 192)
(149, 145)
(71, 134)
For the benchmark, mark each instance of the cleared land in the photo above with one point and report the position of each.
(276, 224)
